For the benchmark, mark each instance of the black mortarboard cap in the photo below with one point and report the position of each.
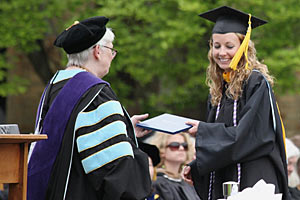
(151, 150)
(230, 20)
(82, 35)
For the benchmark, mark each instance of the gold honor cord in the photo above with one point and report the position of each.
(282, 127)
(226, 76)
(243, 49)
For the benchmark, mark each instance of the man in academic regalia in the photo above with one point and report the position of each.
(91, 151)
(154, 158)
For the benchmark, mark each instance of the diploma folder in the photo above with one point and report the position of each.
(167, 123)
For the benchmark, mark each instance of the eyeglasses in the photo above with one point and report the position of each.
(174, 146)
(113, 51)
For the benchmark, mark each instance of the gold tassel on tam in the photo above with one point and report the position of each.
(243, 49)
(75, 23)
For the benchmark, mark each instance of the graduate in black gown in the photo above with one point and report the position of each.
(91, 151)
(243, 138)
(174, 152)
(154, 159)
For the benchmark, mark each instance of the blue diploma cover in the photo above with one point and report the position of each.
(167, 123)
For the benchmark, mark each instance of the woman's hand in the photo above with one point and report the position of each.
(140, 132)
(192, 131)
(186, 175)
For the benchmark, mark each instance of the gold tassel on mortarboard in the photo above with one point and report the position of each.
(243, 49)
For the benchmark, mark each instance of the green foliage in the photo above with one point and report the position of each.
(15, 85)
(22, 23)
(162, 44)
(280, 43)
(161, 49)
(286, 65)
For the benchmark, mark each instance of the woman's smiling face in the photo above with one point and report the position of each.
(224, 48)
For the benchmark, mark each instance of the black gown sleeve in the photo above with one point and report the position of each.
(218, 145)
(115, 167)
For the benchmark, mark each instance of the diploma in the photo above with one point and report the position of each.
(166, 123)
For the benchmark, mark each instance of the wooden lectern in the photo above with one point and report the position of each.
(13, 162)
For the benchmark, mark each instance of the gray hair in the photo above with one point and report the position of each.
(79, 59)
(291, 149)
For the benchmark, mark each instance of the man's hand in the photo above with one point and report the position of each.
(140, 132)
(186, 175)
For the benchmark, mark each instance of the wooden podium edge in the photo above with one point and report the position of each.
(21, 138)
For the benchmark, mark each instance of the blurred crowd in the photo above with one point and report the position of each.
(293, 167)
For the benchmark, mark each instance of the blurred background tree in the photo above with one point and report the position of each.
(162, 47)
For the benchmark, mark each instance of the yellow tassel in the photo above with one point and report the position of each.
(243, 49)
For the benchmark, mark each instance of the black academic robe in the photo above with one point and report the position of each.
(253, 142)
(173, 189)
(98, 158)
(295, 193)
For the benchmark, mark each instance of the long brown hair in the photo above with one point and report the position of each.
(214, 74)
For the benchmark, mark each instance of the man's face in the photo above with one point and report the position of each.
(107, 56)
(291, 164)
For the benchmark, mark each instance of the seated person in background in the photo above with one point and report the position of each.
(174, 153)
(295, 192)
(154, 159)
(293, 154)
(296, 140)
